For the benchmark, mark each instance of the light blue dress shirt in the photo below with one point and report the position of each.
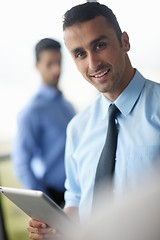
(38, 148)
(138, 147)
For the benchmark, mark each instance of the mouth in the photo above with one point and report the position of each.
(100, 74)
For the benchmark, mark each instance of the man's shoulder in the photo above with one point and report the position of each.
(152, 88)
(68, 104)
(30, 108)
(153, 84)
(150, 100)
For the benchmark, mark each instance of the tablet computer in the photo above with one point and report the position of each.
(39, 206)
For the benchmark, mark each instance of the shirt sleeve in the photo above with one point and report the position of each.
(73, 192)
(25, 147)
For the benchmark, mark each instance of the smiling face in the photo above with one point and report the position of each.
(99, 55)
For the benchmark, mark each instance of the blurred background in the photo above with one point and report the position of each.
(22, 24)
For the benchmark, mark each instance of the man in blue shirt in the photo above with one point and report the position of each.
(100, 51)
(38, 154)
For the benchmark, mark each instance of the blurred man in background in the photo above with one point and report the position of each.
(38, 150)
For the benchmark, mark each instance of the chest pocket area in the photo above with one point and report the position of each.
(142, 159)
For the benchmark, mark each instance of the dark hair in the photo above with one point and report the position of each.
(87, 11)
(46, 44)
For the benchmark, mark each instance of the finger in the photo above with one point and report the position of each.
(35, 236)
(40, 230)
(37, 224)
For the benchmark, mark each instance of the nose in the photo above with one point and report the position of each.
(93, 61)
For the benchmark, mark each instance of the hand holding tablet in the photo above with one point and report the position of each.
(39, 207)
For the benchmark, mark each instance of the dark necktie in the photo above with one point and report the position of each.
(106, 164)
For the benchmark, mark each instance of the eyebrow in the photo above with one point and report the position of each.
(103, 37)
(92, 43)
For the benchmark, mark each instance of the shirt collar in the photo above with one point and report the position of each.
(127, 99)
(48, 91)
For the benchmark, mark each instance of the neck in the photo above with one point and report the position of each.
(50, 85)
(127, 77)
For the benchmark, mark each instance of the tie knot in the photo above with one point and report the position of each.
(113, 111)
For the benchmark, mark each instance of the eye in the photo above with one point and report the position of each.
(80, 54)
(100, 45)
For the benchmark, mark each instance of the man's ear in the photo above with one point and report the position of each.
(125, 42)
